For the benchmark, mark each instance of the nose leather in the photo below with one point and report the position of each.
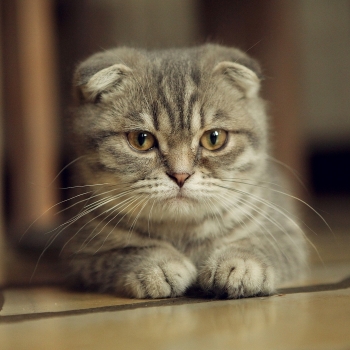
(179, 178)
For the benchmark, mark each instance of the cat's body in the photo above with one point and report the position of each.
(179, 192)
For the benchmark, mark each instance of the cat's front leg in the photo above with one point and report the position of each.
(139, 272)
(232, 272)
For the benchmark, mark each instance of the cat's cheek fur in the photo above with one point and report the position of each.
(233, 273)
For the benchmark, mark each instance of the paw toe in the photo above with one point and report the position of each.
(162, 280)
(237, 278)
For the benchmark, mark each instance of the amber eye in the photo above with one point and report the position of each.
(213, 139)
(141, 140)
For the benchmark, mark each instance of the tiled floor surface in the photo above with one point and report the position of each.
(312, 315)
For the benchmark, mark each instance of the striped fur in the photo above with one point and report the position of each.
(134, 230)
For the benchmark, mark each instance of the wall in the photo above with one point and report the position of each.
(325, 47)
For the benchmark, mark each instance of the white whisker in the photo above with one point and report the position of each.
(269, 218)
(112, 211)
(104, 241)
(149, 219)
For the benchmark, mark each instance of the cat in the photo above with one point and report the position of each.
(174, 185)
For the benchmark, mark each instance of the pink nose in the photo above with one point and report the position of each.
(179, 178)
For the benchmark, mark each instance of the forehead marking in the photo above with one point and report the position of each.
(155, 114)
(193, 99)
(163, 100)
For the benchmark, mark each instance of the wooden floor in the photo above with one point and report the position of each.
(314, 314)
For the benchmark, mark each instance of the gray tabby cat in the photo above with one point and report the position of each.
(176, 190)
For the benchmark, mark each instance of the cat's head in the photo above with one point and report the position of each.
(172, 128)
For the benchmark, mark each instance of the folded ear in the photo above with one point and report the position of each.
(240, 76)
(90, 85)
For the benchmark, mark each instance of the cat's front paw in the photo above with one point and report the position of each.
(236, 274)
(160, 278)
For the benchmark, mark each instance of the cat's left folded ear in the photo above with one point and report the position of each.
(104, 80)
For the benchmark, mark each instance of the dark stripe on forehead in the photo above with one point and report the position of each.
(177, 86)
(134, 116)
(196, 75)
(164, 102)
(155, 114)
(180, 101)
(191, 102)
(202, 115)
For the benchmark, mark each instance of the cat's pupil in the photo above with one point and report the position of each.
(141, 138)
(214, 137)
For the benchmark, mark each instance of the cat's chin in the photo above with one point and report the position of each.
(183, 195)
(180, 199)
(181, 206)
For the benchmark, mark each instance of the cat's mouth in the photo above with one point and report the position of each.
(180, 193)
(179, 201)
(181, 196)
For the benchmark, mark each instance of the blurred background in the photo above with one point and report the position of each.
(302, 45)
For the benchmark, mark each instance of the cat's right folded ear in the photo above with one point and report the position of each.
(90, 83)
(241, 76)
